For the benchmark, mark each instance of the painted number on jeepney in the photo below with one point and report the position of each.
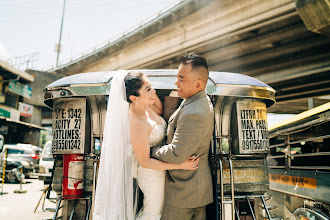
(68, 126)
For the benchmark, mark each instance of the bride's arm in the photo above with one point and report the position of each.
(157, 106)
(140, 143)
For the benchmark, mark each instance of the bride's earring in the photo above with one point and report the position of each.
(136, 103)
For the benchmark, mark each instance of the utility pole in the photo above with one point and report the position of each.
(59, 41)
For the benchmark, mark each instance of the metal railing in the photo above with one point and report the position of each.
(288, 156)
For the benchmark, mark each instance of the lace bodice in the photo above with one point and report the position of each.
(157, 134)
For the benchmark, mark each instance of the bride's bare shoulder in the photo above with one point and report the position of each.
(137, 121)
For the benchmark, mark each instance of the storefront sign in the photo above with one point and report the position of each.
(20, 89)
(69, 117)
(25, 109)
(4, 113)
(252, 127)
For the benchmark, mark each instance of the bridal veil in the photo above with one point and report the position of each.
(114, 188)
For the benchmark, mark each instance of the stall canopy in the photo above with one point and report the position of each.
(11, 72)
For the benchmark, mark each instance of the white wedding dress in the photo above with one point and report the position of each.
(152, 182)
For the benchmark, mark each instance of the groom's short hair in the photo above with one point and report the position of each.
(198, 64)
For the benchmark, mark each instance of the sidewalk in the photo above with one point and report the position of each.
(15, 206)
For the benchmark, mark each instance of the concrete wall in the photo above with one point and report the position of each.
(42, 79)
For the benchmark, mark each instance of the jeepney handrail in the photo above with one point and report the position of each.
(277, 156)
(310, 139)
(221, 189)
(310, 154)
(310, 167)
(232, 186)
(277, 145)
(276, 167)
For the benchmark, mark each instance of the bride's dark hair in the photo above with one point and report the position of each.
(133, 83)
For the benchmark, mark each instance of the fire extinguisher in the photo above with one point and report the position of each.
(73, 176)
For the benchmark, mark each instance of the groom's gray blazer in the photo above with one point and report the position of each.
(189, 133)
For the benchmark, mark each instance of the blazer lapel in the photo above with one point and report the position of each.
(185, 102)
(194, 97)
(176, 112)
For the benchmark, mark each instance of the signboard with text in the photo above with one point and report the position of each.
(69, 116)
(20, 89)
(25, 110)
(252, 127)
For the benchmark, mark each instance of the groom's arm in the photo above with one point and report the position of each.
(187, 138)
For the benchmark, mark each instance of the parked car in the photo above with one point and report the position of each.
(30, 152)
(17, 157)
(46, 161)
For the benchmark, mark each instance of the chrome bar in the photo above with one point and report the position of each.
(310, 154)
(310, 139)
(57, 208)
(221, 189)
(89, 208)
(94, 184)
(243, 196)
(280, 167)
(251, 209)
(237, 213)
(277, 156)
(310, 167)
(74, 208)
(232, 186)
(215, 167)
(277, 145)
(265, 206)
(51, 178)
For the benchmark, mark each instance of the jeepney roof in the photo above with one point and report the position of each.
(302, 120)
(219, 83)
(105, 77)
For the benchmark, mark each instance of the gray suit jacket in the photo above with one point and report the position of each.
(189, 133)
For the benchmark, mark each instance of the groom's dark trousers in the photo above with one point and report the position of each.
(189, 133)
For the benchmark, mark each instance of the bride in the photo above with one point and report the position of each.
(132, 126)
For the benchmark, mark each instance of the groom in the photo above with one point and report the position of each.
(189, 133)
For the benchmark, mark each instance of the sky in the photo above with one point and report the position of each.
(31, 29)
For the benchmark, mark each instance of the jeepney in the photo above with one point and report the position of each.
(299, 167)
(238, 150)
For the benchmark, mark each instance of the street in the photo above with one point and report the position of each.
(18, 206)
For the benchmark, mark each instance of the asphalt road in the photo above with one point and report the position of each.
(15, 206)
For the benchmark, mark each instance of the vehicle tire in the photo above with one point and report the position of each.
(11, 178)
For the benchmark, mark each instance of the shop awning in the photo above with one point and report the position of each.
(8, 70)
(9, 120)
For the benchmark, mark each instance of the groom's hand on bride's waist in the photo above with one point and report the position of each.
(153, 151)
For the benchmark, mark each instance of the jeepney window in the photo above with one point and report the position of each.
(14, 151)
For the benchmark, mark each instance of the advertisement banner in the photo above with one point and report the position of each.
(25, 109)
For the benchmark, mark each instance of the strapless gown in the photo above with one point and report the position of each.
(152, 182)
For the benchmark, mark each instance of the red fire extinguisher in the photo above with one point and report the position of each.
(73, 176)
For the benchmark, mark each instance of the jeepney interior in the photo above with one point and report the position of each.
(299, 146)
